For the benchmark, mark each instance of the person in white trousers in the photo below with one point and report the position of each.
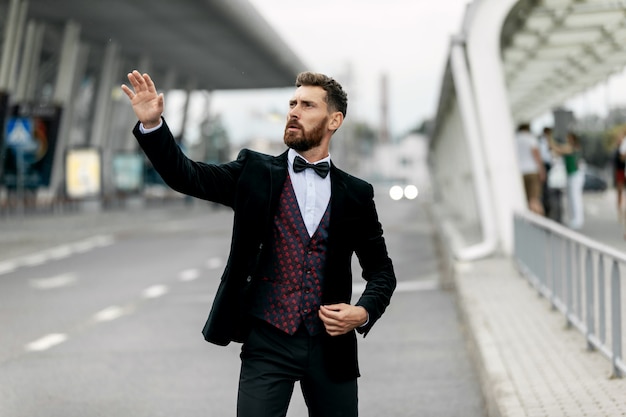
(570, 151)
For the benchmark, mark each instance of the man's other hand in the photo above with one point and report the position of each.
(342, 318)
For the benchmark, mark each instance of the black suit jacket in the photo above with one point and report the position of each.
(251, 186)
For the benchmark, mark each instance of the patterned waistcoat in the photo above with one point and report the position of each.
(290, 288)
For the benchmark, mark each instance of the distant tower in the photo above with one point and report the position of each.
(384, 110)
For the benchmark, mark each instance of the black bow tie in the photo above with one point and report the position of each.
(322, 168)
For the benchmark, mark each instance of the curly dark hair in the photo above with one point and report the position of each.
(336, 98)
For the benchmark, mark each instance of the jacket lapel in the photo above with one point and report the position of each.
(278, 175)
(337, 196)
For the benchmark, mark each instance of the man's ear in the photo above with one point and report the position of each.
(336, 119)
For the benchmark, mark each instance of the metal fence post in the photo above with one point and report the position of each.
(601, 300)
(578, 282)
(589, 297)
(616, 320)
(568, 283)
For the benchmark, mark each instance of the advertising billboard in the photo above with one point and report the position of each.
(128, 171)
(30, 137)
(83, 173)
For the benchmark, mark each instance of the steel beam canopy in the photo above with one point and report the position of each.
(220, 44)
(555, 49)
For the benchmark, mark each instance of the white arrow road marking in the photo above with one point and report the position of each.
(154, 291)
(189, 275)
(57, 281)
(46, 342)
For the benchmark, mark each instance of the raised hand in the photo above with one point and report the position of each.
(147, 103)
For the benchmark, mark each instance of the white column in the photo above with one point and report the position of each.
(102, 108)
(64, 88)
(190, 87)
(26, 82)
(493, 112)
(14, 29)
(102, 112)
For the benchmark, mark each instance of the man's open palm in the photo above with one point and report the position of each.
(147, 103)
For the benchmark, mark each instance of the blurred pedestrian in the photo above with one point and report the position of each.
(531, 167)
(619, 155)
(286, 289)
(545, 151)
(570, 151)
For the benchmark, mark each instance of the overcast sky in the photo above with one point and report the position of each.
(356, 41)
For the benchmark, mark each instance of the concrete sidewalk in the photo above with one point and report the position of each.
(530, 363)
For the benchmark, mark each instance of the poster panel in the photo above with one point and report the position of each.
(4, 104)
(83, 173)
(128, 171)
(30, 137)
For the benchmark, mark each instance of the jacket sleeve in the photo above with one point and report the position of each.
(213, 182)
(377, 266)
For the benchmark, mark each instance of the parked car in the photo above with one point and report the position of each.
(594, 183)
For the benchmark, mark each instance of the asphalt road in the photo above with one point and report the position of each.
(101, 315)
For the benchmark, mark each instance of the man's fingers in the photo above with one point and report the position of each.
(148, 81)
(138, 81)
(128, 91)
(329, 314)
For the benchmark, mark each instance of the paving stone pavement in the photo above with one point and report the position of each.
(531, 364)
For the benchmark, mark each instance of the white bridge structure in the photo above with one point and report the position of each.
(512, 61)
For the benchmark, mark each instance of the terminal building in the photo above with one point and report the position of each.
(66, 124)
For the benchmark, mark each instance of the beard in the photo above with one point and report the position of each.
(303, 140)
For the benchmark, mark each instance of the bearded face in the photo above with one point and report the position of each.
(300, 139)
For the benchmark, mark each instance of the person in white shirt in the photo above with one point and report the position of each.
(531, 167)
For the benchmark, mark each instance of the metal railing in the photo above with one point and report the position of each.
(579, 276)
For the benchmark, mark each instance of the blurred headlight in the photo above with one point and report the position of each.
(396, 192)
(410, 192)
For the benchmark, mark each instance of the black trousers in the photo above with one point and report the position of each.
(272, 361)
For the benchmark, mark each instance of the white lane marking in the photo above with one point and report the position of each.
(102, 240)
(56, 281)
(411, 286)
(214, 263)
(109, 313)
(6, 267)
(406, 286)
(154, 291)
(34, 260)
(188, 275)
(58, 252)
(84, 246)
(46, 342)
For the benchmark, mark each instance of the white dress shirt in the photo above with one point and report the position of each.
(312, 192)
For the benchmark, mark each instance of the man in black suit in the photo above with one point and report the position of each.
(286, 290)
